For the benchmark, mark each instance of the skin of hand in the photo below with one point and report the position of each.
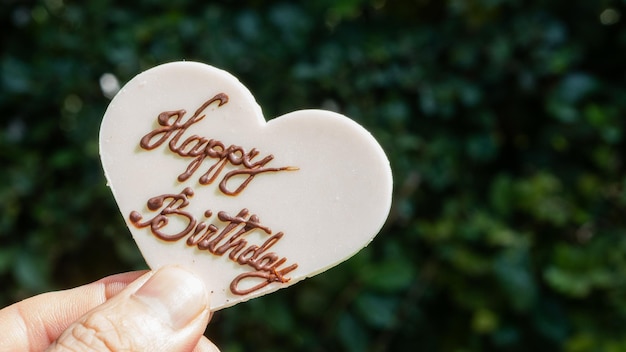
(163, 310)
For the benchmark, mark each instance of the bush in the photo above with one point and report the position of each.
(503, 120)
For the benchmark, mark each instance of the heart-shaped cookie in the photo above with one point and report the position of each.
(251, 206)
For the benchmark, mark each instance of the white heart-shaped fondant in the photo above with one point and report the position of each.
(205, 183)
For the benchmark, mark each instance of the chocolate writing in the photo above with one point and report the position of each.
(230, 239)
(199, 149)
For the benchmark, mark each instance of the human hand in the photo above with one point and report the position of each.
(164, 310)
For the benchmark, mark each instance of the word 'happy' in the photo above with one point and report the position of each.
(200, 148)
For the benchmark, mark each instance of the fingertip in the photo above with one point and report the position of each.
(176, 295)
(205, 345)
(114, 284)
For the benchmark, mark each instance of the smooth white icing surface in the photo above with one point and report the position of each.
(331, 202)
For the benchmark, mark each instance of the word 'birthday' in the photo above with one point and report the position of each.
(268, 266)
(200, 148)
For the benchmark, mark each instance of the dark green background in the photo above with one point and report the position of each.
(503, 121)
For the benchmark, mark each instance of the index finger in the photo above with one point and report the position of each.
(32, 324)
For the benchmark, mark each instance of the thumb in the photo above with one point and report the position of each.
(166, 310)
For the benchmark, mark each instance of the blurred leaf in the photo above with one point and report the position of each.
(354, 338)
(512, 269)
(32, 271)
(392, 275)
(484, 321)
(377, 311)
(6, 259)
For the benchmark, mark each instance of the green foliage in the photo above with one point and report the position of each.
(503, 121)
